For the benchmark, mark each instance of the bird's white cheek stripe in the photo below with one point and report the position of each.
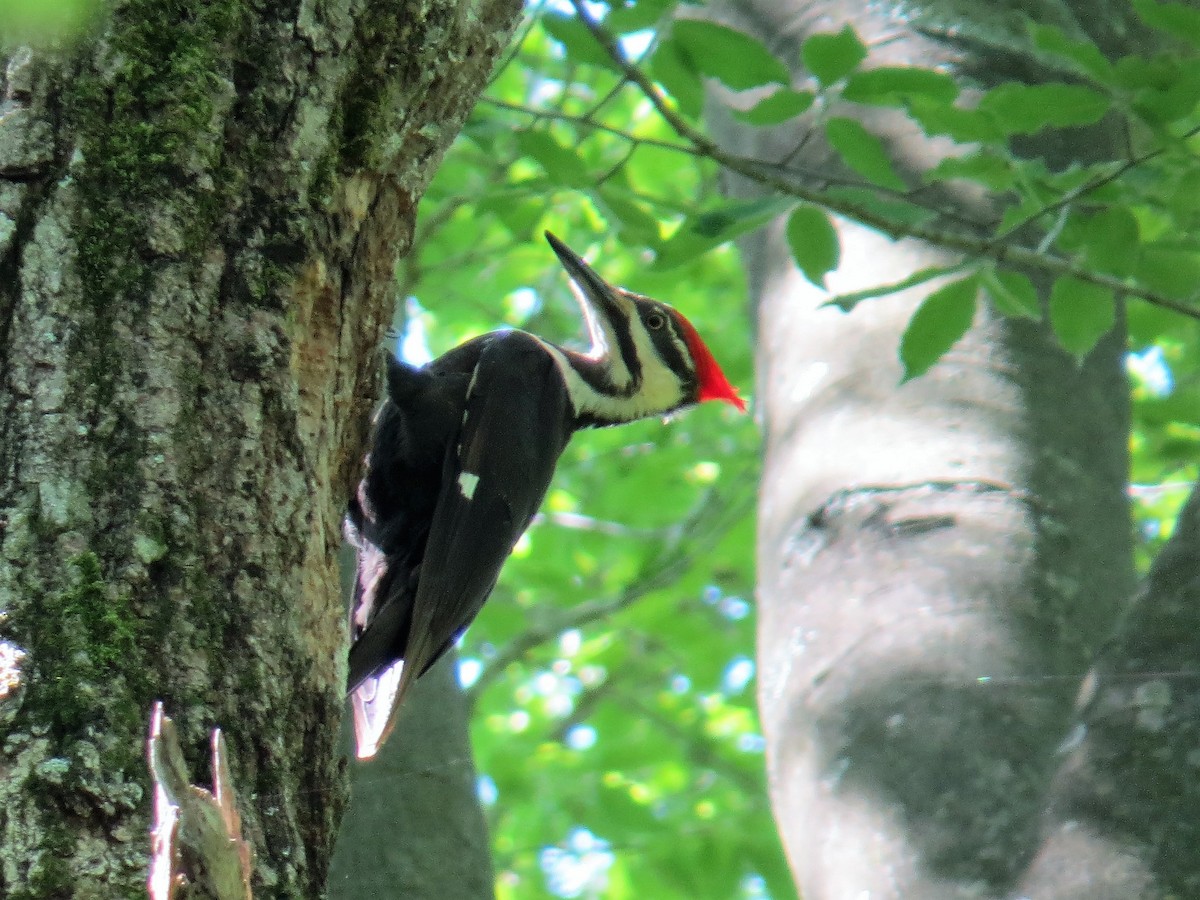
(659, 391)
(467, 484)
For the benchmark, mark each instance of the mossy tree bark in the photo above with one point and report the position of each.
(941, 561)
(201, 205)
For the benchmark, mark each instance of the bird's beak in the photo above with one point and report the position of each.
(596, 296)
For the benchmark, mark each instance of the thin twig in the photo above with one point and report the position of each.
(579, 522)
(635, 141)
(584, 122)
(1089, 186)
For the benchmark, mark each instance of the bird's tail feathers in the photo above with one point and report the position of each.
(375, 702)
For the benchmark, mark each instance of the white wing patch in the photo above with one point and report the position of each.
(467, 484)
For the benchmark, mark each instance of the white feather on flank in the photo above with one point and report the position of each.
(371, 566)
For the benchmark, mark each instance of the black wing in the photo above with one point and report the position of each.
(388, 524)
(389, 516)
(517, 421)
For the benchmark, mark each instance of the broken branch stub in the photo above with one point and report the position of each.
(196, 847)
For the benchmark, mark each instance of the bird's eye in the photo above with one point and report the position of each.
(655, 321)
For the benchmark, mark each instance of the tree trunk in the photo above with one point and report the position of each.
(414, 827)
(202, 205)
(1127, 798)
(939, 561)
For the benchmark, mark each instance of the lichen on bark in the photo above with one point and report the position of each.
(197, 249)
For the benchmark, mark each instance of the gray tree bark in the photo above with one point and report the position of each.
(201, 205)
(940, 562)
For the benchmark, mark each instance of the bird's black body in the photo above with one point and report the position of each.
(428, 434)
(462, 453)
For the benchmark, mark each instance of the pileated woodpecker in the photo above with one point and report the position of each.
(462, 453)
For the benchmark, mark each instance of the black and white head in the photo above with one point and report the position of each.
(646, 358)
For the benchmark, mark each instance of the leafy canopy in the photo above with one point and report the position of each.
(612, 672)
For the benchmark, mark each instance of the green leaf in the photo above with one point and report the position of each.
(814, 243)
(1081, 313)
(672, 71)
(1184, 197)
(862, 152)
(1135, 72)
(1165, 87)
(623, 211)
(832, 56)
(985, 167)
(1027, 109)
(580, 44)
(636, 17)
(968, 126)
(561, 164)
(893, 85)
(943, 318)
(1170, 101)
(1176, 19)
(516, 210)
(485, 130)
(782, 105)
(1012, 293)
(736, 218)
(1169, 268)
(847, 302)
(1112, 240)
(38, 21)
(732, 57)
(1084, 55)
(699, 234)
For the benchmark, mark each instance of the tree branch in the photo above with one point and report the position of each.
(783, 166)
(1092, 184)
(1001, 252)
(699, 533)
(197, 848)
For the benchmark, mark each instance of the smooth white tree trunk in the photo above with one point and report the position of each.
(941, 562)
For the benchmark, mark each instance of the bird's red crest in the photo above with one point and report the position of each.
(713, 383)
